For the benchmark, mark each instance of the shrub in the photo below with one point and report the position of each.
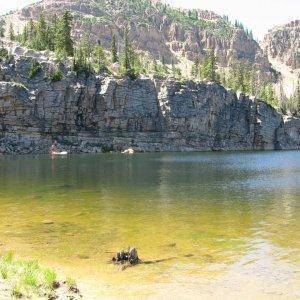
(35, 69)
(4, 56)
(106, 149)
(57, 76)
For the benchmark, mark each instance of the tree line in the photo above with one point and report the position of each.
(55, 35)
(240, 77)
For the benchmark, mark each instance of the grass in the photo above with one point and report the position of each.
(26, 278)
(70, 282)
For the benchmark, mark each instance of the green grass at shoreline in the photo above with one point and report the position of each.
(27, 278)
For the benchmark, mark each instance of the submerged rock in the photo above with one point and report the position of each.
(47, 222)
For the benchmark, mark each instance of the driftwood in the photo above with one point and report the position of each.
(129, 257)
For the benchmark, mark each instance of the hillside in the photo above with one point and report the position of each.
(282, 43)
(282, 46)
(166, 33)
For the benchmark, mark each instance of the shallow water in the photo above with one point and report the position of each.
(197, 219)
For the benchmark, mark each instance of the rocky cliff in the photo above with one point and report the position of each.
(166, 33)
(87, 114)
(283, 44)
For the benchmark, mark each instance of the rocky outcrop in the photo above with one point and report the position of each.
(89, 114)
(283, 44)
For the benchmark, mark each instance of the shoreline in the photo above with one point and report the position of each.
(136, 151)
(256, 275)
(26, 279)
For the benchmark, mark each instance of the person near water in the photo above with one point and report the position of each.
(54, 148)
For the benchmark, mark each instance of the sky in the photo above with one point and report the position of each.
(258, 15)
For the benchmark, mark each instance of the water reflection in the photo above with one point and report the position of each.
(215, 208)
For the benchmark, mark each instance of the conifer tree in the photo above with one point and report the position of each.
(128, 58)
(196, 68)
(176, 71)
(99, 58)
(127, 52)
(223, 79)
(297, 97)
(41, 40)
(114, 49)
(241, 78)
(268, 95)
(24, 36)
(63, 40)
(208, 70)
(160, 69)
(295, 100)
(11, 32)
(52, 29)
(2, 32)
(80, 59)
(31, 30)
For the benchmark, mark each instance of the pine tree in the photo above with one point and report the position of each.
(31, 30)
(24, 36)
(80, 59)
(114, 49)
(196, 68)
(295, 99)
(52, 30)
(268, 95)
(99, 58)
(208, 70)
(2, 31)
(176, 71)
(28, 36)
(63, 40)
(223, 79)
(11, 32)
(128, 58)
(41, 40)
(127, 52)
(241, 78)
(160, 69)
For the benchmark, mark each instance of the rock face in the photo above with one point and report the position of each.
(85, 114)
(283, 44)
(161, 31)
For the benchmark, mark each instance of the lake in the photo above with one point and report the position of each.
(207, 224)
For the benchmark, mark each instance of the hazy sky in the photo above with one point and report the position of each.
(259, 15)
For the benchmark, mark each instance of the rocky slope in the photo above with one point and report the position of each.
(282, 46)
(87, 113)
(165, 33)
